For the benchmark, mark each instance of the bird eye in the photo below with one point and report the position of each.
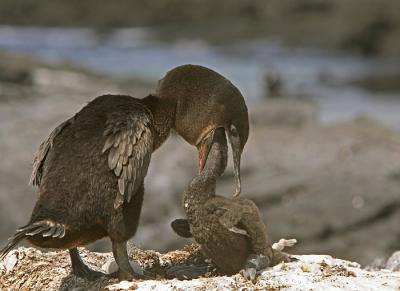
(233, 130)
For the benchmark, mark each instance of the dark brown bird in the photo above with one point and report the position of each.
(205, 100)
(90, 174)
(230, 231)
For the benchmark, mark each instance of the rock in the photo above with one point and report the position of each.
(376, 264)
(10, 262)
(48, 271)
(393, 263)
(111, 267)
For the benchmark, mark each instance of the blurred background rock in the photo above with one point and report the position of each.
(321, 78)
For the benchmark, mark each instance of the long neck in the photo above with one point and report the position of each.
(163, 114)
(199, 191)
(202, 187)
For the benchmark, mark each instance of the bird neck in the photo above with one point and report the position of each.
(200, 190)
(163, 112)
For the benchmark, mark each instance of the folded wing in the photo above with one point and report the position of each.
(129, 145)
(41, 154)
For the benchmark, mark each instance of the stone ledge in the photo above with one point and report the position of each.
(31, 269)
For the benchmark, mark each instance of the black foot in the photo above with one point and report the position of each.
(125, 271)
(186, 272)
(87, 273)
(79, 268)
(254, 264)
(122, 276)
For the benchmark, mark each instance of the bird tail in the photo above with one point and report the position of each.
(44, 228)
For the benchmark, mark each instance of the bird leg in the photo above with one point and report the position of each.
(254, 264)
(234, 140)
(79, 268)
(186, 271)
(125, 271)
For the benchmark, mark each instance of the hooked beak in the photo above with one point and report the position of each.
(213, 152)
(234, 140)
(204, 148)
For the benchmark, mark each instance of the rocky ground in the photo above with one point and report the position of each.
(333, 187)
(30, 269)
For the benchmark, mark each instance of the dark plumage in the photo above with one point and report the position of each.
(90, 170)
(230, 231)
(205, 100)
(90, 174)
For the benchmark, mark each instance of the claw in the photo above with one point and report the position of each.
(250, 274)
(254, 264)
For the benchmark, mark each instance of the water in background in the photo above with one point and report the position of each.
(134, 53)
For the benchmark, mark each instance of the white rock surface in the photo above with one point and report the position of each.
(36, 270)
(311, 272)
(111, 267)
(10, 262)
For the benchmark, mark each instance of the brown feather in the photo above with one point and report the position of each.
(121, 186)
(50, 232)
(118, 167)
(41, 154)
(112, 158)
(38, 230)
(129, 150)
(109, 143)
(58, 231)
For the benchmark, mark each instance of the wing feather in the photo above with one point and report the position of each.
(41, 154)
(129, 144)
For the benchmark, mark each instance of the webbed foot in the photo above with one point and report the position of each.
(79, 268)
(125, 271)
(128, 276)
(88, 274)
(254, 264)
(186, 272)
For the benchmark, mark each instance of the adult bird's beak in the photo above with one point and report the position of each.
(204, 148)
(234, 140)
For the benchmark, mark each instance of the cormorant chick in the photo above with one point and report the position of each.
(90, 174)
(230, 231)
